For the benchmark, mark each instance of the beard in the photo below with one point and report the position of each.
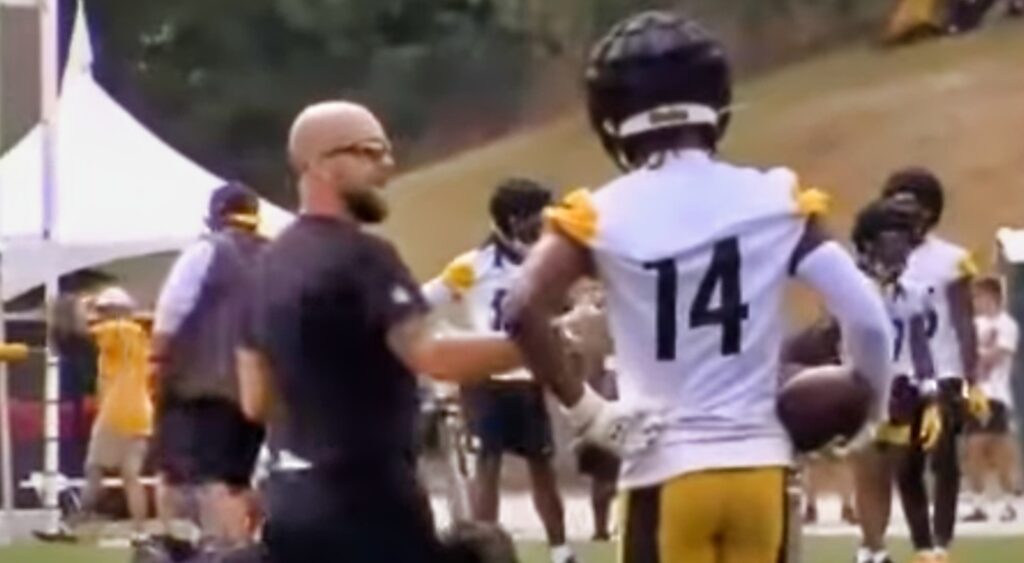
(366, 206)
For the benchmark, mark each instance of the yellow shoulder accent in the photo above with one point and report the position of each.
(811, 201)
(967, 267)
(459, 276)
(575, 216)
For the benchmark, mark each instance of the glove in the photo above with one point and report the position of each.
(894, 434)
(977, 404)
(611, 425)
(931, 427)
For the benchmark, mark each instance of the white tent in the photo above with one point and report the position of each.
(121, 191)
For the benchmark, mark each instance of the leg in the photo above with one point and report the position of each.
(975, 464)
(676, 522)
(910, 468)
(946, 469)
(175, 502)
(547, 500)
(873, 492)
(131, 473)
(93, 488)
(485, 489)
(1004, 465)
(603, 470)
(602, 491)
(755, 521)
(1005, 460)
(811, 470)
(224, 514)
(845, 488)
(104, 451)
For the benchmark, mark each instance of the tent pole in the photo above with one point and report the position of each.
(7, 486)
(48, 104)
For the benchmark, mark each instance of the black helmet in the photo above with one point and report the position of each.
(656, 71)
(884, 234)
(516, 207)
(923, 187)
(880, 216)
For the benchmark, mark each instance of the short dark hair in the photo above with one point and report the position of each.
(517, 198)
(478, 542)
(990, 286)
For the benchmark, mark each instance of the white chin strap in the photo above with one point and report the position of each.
(663, 117)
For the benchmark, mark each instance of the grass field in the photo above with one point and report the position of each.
(818, 550)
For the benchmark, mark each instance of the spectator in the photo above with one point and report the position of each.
(989, 443)
(125, 419)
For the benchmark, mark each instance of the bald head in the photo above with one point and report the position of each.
(325, 126)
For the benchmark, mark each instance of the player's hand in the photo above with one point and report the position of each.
(842, 447)
(931, 427)
(977, 404)
(612, 425)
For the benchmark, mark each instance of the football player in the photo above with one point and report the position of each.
(884, 234)
(946, 271)
(507, 414)
(694, 254)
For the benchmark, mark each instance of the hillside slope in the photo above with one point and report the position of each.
(843, 121)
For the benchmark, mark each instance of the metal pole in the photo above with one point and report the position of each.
(48, 91)
(6, 457)
(5, 430)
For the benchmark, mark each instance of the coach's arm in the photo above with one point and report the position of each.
(458, 358)
(254, 384)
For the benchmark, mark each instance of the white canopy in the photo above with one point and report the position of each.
(120, 190)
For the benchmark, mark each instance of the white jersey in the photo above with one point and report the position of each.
(694, 256)
(479, 281)
(904, 302)
(935, 264)
(998, 333)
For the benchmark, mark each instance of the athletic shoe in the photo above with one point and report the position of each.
(1009, 514)
(977, 515)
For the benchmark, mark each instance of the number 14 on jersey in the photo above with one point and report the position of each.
(722, 278)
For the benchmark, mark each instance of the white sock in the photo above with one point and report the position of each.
(865, 555)
(561, 553)
(880, 556)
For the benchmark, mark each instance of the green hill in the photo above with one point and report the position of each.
(843, 121)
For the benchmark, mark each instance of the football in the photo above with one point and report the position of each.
(820, 404)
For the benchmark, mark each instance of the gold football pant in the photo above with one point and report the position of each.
(715, 516)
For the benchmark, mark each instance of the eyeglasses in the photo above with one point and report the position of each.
(373, 150)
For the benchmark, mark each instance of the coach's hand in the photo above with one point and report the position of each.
(931, 427)
(612, 425)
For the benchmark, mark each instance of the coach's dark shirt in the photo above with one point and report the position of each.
(323, 298)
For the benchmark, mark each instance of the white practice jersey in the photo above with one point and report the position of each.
(479, 281)
(694, 256)
(997, 333)
(935, 264)
(905, 301)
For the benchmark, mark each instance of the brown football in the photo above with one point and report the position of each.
(821, 403)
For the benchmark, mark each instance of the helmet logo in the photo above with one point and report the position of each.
(669, 115)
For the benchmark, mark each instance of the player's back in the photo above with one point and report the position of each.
(695, 255)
